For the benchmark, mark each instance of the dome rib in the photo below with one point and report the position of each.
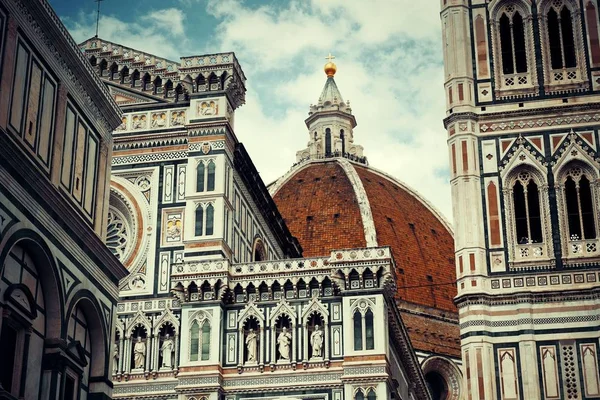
(363, 202)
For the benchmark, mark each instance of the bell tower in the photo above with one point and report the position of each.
(522, 83)
(330, 123)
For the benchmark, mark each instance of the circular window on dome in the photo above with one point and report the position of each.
(438, 387)
(443, 378)
(121, 228)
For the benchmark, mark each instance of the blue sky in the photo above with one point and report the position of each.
(388, 54)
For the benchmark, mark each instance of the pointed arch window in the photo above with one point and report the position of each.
(205, 176)
(371, 395)
(210, 179)
(199, 340)
(369, 330)
(358, 338)
(359, 395)
(560, 37)
(200, 177)
(512, 42)
(579, 205)
(205, 341)
(526, 204)
(199, 223)
(194, 341)
(210, 219)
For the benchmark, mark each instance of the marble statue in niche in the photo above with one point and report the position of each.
(251, 345)
(167, 349)
(316, 340)
(139, 353)
(284, 340)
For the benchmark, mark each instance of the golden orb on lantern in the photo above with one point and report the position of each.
(330, 68)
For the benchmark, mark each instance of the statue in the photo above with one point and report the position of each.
(115, 367)
(167, 348)
(251, 341)
(316, 341)
(139, 353)
(284, 340)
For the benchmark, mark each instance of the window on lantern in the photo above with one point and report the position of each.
(526, 204)
(561, 37)
(512, 42)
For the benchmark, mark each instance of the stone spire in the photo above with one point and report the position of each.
(330, 124)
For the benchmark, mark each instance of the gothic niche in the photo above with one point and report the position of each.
(316, 336)
(283, 334)
(251, 341)
(139, 337)
(166, 354)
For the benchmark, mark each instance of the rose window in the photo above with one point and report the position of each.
(117, 234)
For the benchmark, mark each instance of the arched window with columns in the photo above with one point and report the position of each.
(513, 48)
(526, 202)
(363, 325)
(562, 41)
(577, 195)
(200, 331)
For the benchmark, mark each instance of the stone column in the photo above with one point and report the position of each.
(241, 347)
(261, 346)
(294, 335)
(273, 345)
(148, 353)
(305, 341)
(127, 355)
(121, 354)
(176, 359)
(326, 348)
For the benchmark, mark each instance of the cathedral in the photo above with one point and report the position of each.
(322, 285)
(522, 84)
(143, 257)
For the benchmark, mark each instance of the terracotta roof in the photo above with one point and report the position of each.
(319, 205)
(432, 335)
(320, 209)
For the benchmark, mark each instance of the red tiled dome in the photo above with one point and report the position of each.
(321, 208)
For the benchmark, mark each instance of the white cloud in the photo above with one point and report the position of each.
(389, 67)
(170, 19)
